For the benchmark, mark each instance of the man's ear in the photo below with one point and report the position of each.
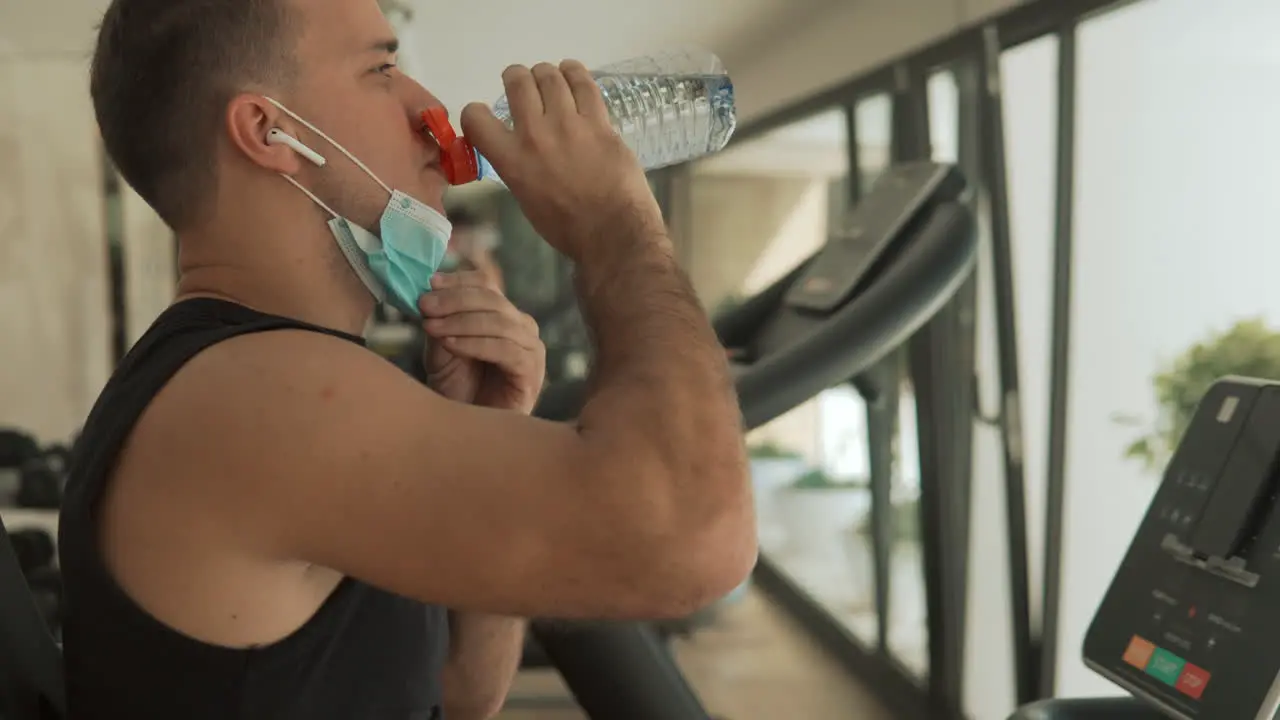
(250, 120)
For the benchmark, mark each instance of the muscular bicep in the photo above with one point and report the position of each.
(364, 471)
(446, 503)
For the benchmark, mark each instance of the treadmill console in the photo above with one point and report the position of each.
(1191, 622)
(869, 230)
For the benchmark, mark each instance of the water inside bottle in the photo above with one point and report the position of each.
(668, 119)
(665, 119)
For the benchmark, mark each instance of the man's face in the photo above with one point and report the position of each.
(351, 89)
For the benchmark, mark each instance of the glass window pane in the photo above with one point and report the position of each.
(812, 482)
(874, 118)
(1175, 246)
(944, 116)
(761, 207)
(758, 210)
(1029, 74)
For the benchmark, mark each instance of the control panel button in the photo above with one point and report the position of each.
(1165, 667)
(1139, 652)
(1193, 681)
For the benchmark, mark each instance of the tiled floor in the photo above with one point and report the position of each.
(754, 664)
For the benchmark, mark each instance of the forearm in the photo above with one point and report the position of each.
(484, 655)
(661, 386)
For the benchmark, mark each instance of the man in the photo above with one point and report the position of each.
(264, 518)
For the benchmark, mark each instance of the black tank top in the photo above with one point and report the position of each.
(366, 653)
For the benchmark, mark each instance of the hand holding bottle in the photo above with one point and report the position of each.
(575, 179)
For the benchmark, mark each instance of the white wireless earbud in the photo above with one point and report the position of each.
(279, 137)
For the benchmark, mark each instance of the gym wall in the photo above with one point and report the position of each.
(54, 311)
(55, 288)
(150, 264)
(846, 39)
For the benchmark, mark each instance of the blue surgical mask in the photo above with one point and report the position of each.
(397, 264)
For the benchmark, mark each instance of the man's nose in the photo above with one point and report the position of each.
(417, 98)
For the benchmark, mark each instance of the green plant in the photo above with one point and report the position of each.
(1248, 348)
(820, 480)
(770, 450)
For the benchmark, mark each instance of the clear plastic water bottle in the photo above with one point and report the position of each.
(668, 108)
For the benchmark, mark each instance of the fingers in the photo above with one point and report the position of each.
(504, 353)
(478, 279)
(467, 304)
(484, 324)
(556, 96)
(448, 301)
(487, 133)
(523, 95)
(586, 93)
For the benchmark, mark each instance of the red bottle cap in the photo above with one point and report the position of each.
(457, 155)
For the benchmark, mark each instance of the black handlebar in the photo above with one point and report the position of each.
(900, 301)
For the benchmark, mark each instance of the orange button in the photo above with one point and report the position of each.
(1193, 681)
(1139, 653)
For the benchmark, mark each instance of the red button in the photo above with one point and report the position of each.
(1193, 681)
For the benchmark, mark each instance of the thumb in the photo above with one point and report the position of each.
(487, 133)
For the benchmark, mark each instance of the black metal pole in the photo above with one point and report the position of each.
(882, 418)
(935, 357)
(910, 141)
(642, 681)
(882, 425)
(1060, 358)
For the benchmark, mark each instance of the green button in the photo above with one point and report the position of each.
(1165, 667)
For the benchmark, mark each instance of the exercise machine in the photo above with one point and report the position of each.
(31, 675)
(1189, 622)
(895, 261)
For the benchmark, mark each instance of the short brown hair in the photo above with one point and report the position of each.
(163, 73)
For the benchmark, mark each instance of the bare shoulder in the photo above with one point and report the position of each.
(255, 408)
(190, 494)
(267, 404)
(302, 368)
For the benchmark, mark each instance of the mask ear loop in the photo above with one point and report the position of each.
(277, 136)
(311, 195)
(330, 140)
(345, 238)
(366, 242)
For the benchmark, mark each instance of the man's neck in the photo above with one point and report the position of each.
(301, 286)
